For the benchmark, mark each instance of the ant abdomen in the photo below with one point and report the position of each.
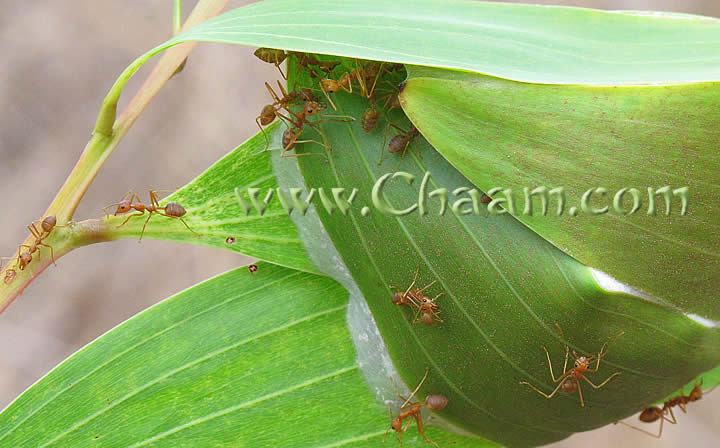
(271, 55)
(427, 318)
(570, 386)
(370, 119)
(288, 139)
(436, 402)
(48, 224)
(650, 415)
(175, 210)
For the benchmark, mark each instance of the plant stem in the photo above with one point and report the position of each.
(177, 16)
(106, 136)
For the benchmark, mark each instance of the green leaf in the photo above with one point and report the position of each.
(243, 359)
(530, 43)
(505, 134)
(505, 291)
(215, 214)
(708, 381)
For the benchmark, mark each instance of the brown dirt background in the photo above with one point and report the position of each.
(58, 60)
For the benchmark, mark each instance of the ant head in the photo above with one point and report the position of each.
(396, 424)
(175, 210)
(312, 108)
(25, 258)
(436, 402)
(582, 362)
(123, 206)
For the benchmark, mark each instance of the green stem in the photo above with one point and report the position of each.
(177, 16)
(107, 134)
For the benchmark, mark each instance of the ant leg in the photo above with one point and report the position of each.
(552, 371)
(421, 429)
(52, 253)
(427, 286)
(580, 394)
(282, 89)
(567, 357)
(129, 217)
(339, 118)
(377, 76)
(598, 386)
(359, 74)
(552, 394)
(384, 145)
(415, 317)
(281, 71)
(273, 95)
(327, 148)
(179, 219)
(267, 139)
(34, 231)
(417, 272)
(332, 103)
(657, 436)
(142, 232)
(600, 356)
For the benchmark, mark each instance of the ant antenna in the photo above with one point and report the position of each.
(427, 371)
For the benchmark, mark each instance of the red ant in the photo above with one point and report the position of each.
(370, 119)
(654, 413)
(171, 210)
(47, 225)
(333, 86)
(400, 142)
(426, 307)
(297, 125)
(25, 257)
(434, 402)
(271, 111)
(361, 73)
(569, 381)
(308, 61)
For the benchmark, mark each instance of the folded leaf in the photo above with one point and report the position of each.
(513, 136)
(506, 294)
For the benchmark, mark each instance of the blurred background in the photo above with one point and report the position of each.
(59, 59)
